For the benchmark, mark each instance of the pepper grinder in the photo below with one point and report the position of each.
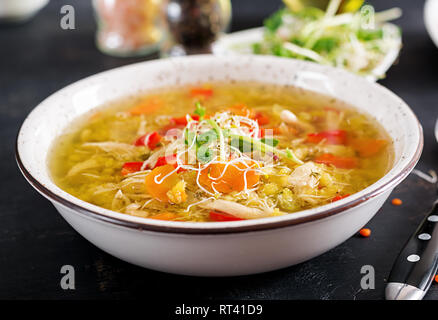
(193, 25)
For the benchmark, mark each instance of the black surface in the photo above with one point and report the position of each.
(38, 58)
(420, 273)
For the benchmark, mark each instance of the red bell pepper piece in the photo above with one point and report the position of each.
(164, 130)
(201, 92)
(330, 137)
(182, 121)
(221, 217)
(339, 197)
(161, 161)
(151, 140)
(131, 167)
(338, 162)
(261, 119)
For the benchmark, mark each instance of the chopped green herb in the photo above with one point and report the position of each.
(189, 137)
(207, 137)
(325, 45)
(270, 141)
(274, 21)
(200, 110)
(368, 35)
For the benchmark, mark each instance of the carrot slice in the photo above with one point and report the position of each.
(330, 137)
(368, 147)
(338, 162)
(263, 132)
(219, 216)
(241, 109)
(131, 167)
(146, 107)
(160, 180)
(169, 216)
(228, 179)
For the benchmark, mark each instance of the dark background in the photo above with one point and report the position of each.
(39, 58)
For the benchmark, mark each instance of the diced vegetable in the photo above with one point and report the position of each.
(275, 20)
(368, 35)
(329, 137)
(365, 232)
(248, 144)
(171, 159)
(151, 140)
(131, 167)
(169, 216)
(178, 193)
(269, 132)
(219, 216)
(164, 130)
(368, 147)
(242, 109)
(340, 197)
(201, 92)
(270, 141)
(160, 181)
(325, 45)
(287, 200)
(338, 162)
(225, 179)
(261, 118)
(182, 121)
(397, 202)
(161, 161)
(146, 107)
(200, 111)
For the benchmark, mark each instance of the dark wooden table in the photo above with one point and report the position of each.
(38, 58)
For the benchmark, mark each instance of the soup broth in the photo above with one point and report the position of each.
(220, 152)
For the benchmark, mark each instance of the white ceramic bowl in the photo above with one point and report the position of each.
(217, 248)
(241, 42)
(431, 19)
(20, 10)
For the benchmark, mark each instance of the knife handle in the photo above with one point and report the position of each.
(417, 262)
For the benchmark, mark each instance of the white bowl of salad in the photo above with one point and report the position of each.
(363, 41)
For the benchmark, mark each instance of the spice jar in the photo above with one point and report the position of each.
(193, 25)
(128, 27)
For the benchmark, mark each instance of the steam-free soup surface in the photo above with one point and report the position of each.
(220, 152)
